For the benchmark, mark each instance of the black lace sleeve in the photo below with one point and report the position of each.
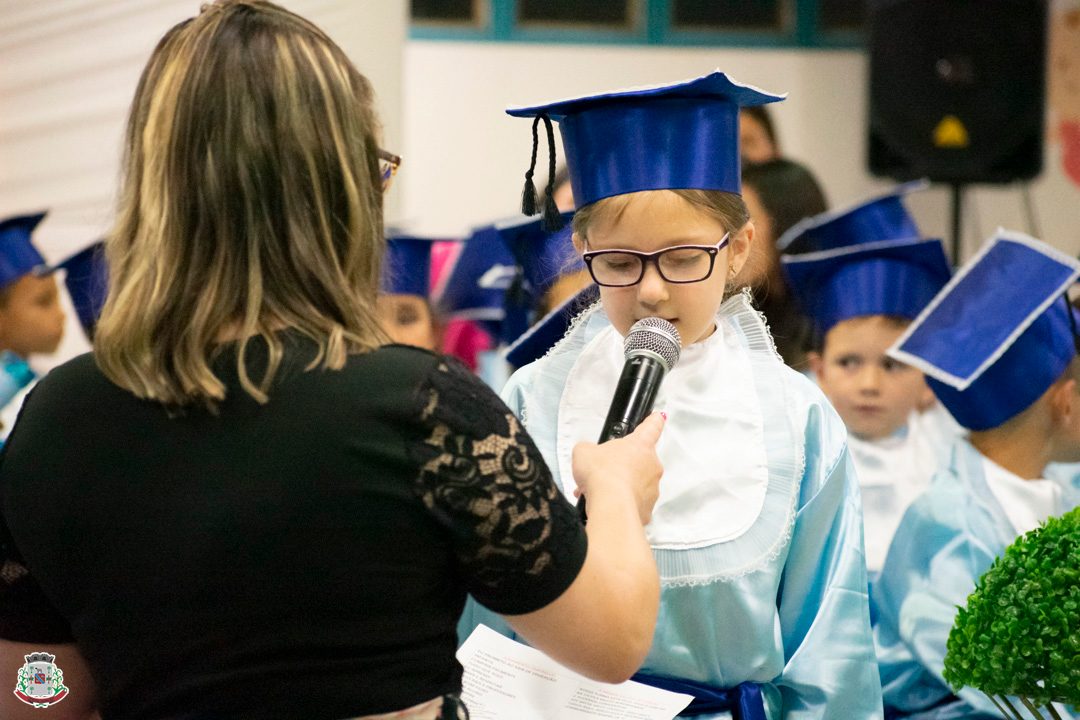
(518, 541)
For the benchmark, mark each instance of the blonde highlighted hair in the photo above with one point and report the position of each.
(251, 201)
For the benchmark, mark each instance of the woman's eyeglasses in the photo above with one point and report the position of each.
(388, 167)
(677, 264)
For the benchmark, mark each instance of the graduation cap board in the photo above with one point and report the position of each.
(407, 265)
(890, 277)
(87, 281)
(18, 256)
(999, 334)
(880, 217)
(683, 135)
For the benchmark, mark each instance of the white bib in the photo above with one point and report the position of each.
(712, 448)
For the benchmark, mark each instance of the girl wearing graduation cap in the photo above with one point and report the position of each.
(403, 306)
(31, 317)
(999, 348)
(757, 533)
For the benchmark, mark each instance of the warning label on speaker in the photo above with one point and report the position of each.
(951, 133)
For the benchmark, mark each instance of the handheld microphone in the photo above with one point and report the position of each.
(651, 349)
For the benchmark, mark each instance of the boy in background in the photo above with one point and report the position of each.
(861, 293)
(998, 346)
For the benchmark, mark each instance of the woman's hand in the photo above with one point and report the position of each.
(602, 626)
(628, 464)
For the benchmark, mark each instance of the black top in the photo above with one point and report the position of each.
(304, 558)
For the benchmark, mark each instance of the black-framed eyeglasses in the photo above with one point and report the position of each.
(678, 264)
(388, 167)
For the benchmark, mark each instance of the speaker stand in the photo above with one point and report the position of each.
(957, 220)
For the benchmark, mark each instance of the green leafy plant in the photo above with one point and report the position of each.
(1019, 634)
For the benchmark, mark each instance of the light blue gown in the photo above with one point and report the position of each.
(781, 601)
(948, 538)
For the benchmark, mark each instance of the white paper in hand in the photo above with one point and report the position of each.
(505, 679)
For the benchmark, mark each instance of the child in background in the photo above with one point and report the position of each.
(779, 193)
(31, 318)
(757, 533)
(879, 218)
(507, 276)
(551, 269)
(757, 135)
(464, 339)
(999, 349)
(403, 306)
(861, 298)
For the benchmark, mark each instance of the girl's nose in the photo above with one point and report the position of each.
(652, 290)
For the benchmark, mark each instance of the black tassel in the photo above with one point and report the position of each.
(552, 218)
(529, 201)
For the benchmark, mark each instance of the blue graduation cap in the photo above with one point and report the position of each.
(87, 281)
(542, 336)
(678, 136)
(407, 265)
(18, 256)
(892, 277)
(879, 217)
(542, 255)
(476, 283)
(999, 334)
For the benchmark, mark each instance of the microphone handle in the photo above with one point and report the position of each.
(632, 403)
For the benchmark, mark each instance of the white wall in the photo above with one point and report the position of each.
(466, 159)
(68, 71)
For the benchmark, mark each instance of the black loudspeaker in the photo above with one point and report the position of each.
(957, 89)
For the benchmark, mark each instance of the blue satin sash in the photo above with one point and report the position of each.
(744, 701)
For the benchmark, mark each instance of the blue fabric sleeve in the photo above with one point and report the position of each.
(932, 567)
(830, 669)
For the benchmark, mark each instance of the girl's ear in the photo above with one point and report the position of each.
(579, 243)
(739, 247)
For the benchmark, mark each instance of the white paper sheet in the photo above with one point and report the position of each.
(505, 679)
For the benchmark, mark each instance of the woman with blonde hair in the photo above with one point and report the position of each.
(244, 503)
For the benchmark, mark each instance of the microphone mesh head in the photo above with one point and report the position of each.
(655, 335)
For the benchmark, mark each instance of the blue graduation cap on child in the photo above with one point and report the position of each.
(543, 256)
(407, 265)
(534, 343)
(475, 285)
(18, 256)
(682, 135)
(87, 281)
(503, 270)
(891, 277)
(1000, 333)
(877, 218)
